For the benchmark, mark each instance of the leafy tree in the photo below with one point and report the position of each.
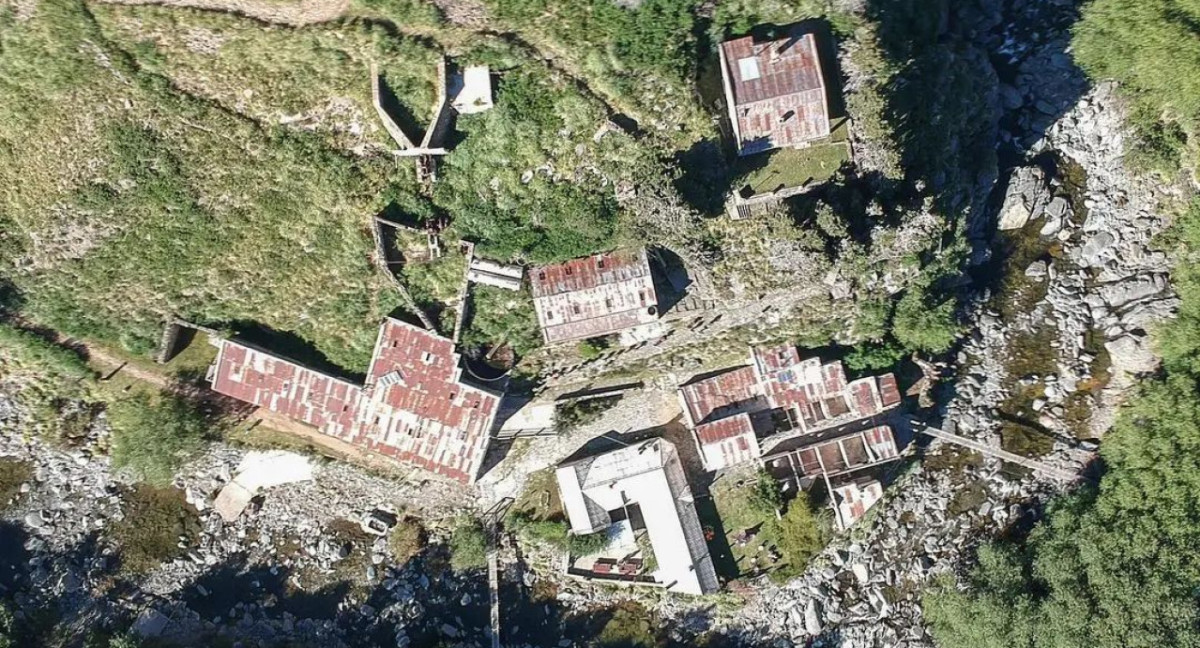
(153, 437)
(923, 322)
(800, 535)
(874, 356)
(766, 498)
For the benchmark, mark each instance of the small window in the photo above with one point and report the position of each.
(542, 275)
(749, 68)
(427, 357)
(568, 269)
(549, 315)
(608, 303)
(600, 263)
(575, 308)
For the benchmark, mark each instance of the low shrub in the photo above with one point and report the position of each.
(156, 522)
(407, 540)
(468, 545)
(13, 473)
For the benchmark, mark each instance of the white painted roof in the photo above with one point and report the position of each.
(649, 475)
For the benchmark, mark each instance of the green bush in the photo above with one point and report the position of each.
(923, 322)
(869, 357)
(500, 316)
(767, 498)
(13, 473)
(406, 540)
(153, 437)
(468, 545)
(577, 413)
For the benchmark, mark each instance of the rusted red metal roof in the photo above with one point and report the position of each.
(818, 394)
(889, 393)
(849, 452)
(776, 91)
(414, 407)
(719, 395)
(593, 296)
(727, 442)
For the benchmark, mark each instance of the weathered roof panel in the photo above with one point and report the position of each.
(778, 100)
(593, 296)
(414, 407)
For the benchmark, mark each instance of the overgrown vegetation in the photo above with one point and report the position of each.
(157, 525)
(13, 473)
(176, 204)
(578, 413)
(800, 535)
(764, 533)
(1150, 47)
(501, 317)
(154, 436)
(406, 539)
(1109, 566)
(468, 545)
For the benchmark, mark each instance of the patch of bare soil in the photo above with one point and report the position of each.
(465, 13)
(297, 12)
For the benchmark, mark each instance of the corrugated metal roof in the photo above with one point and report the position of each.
(721, 394)
(818, 393)
(781, 102)
(593, 296)
(849, 452)
(889, 393)
(727, 442)
(414, 407)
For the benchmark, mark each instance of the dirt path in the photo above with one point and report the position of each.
(102, 357)
(297, 13)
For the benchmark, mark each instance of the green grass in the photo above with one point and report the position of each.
(314, 78)
(786, 168)
(468, 545)
(800, 534)
(175, 205)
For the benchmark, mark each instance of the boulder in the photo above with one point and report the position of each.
(1131, 354)
(1094, 247)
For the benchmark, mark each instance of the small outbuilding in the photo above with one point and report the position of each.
(594, 296)
(775, 92)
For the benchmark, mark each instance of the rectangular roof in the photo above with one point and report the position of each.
(775, 90)
(413, 408)
(727, 442)
(817, 393)
(734, 390)
(649, 475)
(593, 296)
